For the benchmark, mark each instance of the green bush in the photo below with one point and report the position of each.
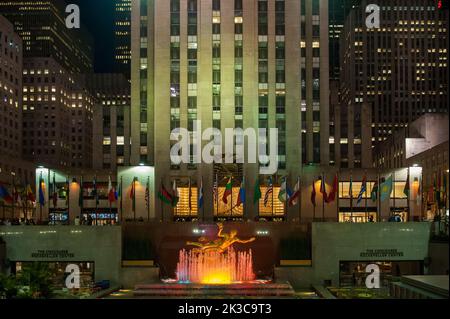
(33, 282)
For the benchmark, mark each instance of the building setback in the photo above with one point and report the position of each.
(230, 64)
(111, 140)
(397, 72)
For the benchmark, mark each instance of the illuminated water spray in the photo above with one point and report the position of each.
(215, 267)
(216, 262)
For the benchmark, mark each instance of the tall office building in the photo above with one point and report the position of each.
(41, 25)
(13, 170)
(122, 37)
(230, 64)
(10, 90)
(111, 140)
(398, 71)
(57, 115)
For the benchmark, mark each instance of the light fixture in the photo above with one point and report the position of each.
(74, 180)
(415, 165)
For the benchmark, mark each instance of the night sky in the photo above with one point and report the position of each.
(98, 17)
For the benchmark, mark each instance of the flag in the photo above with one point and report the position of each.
(200, 195)
(119, 191)
(30, 194)
(323, 189)
(133, 195)
(386, 189)
(406, 189)
(16, 196)
(293, 199)
(257, 192)
(147, 194)
(313, 193)
(283, 195)
(95, 191)
(241, 197)
(41, 190)
(268, 192)
(228, 191)
(334, 190)
(216, 190)
(175, 196)
(363, 190)
(4, 195)
(374, 192)
(111, 191)
(164, 195)
(55, 192)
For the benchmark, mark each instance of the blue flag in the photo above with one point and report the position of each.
(200, 196)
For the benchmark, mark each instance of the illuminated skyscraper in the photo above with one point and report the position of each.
(122, 36)
(41, 24)
(397, 72)
(230, 64)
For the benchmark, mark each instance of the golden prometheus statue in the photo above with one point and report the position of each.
(220, 244)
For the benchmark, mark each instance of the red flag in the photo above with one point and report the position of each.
(313, 194)
(334, 190)
(111, 191)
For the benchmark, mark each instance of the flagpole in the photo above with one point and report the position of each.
(96, 201)
(393, 182)
(121, 197)
(314, 204)
(409, 195)
(68, 197)
(14, 195)
(109, 201)
(231, 204)
(162, 204)
(148, 198)
(378, 197)
(299, 200)
(365, 194)
(338, 195)
(134, 199)
(351, 196)
(285, 204)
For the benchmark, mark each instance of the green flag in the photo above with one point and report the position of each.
(386, 189)
(406, 189)
(257, 192)
(374, 193)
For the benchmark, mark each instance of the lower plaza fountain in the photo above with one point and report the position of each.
(215, 268)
